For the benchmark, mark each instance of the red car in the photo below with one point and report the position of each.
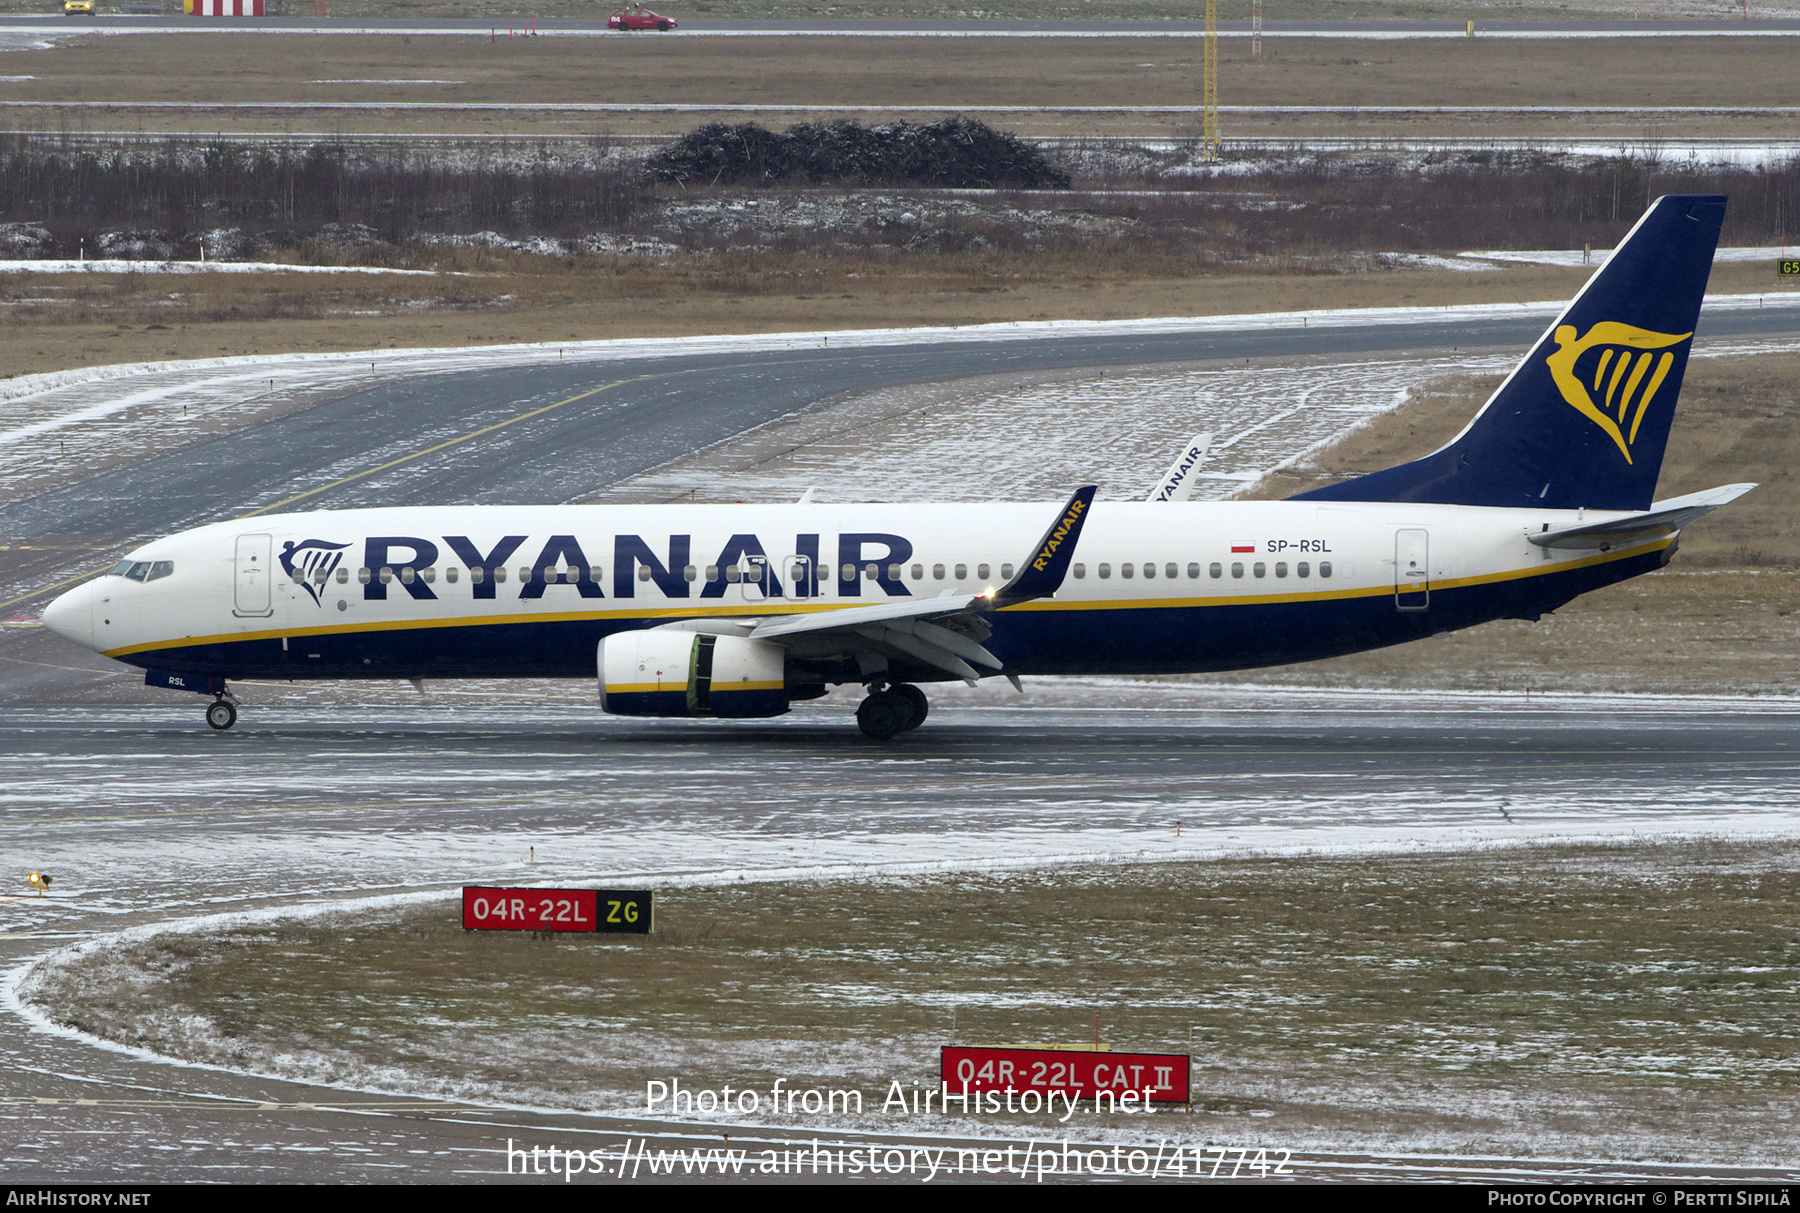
(636, 16)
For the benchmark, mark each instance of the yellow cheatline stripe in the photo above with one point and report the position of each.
(432, 450)
(674, 687)
(740, 610)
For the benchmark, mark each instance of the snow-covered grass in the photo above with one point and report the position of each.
(1534, 1000)
(119, 265)
(1598, 257)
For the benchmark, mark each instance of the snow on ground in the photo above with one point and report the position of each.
(962, 441)
(119, 265)
(1576, 257)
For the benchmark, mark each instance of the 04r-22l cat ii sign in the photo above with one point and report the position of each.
(739, 610)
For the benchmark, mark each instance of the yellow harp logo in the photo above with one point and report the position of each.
(1624, 366)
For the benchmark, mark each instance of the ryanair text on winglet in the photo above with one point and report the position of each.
(1058, 535)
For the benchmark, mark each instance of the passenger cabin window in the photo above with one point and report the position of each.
(918, 572)
(691, 572)
(981, 572)
(363, 576)
(343, 576)
(1126, 571)
(893, 572)
(1237, 568)
(1259, 569)
(962, 572)
(1170, 571)
(732, 573)
(451, 574)
(1303, 569)
(499, 574)
(1080, 571)
(1281, 568)
(524, 574)
(430, 575)
(477, 574)
(1006, 572)
(1324, 568)
(1215, 570)
(937, 572)
(1105, 571)
(387, 575)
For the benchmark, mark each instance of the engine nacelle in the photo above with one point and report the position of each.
(672, 673)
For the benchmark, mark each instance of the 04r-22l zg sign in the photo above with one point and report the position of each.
(608, 911)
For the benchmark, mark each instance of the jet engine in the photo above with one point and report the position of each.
(674, 673)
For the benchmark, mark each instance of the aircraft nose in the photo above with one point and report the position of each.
(71, 616)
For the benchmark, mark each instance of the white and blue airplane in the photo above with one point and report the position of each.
(738, 610)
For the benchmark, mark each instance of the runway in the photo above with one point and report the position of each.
(146, 818)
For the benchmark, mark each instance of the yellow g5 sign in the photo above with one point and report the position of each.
(1626, 355)
(1788, 267)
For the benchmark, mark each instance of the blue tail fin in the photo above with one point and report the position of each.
(1582, 421)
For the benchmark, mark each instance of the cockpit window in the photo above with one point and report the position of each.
(142, 570)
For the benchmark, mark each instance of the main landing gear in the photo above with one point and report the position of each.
(891, 711)
(221, 713)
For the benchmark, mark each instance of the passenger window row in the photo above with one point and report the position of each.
(144, 570)
(1104, 570)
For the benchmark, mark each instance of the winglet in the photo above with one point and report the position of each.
(1042, 574)
(1177, 483)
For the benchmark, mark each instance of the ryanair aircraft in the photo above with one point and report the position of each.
(738, 610)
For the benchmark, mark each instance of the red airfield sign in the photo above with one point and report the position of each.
(1072, 1074)
(610, 911)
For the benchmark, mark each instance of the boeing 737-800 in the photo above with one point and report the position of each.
(738, 610)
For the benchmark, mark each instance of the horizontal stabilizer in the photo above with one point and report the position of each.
(1663, 518)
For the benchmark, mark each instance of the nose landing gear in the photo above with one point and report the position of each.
(891, 711)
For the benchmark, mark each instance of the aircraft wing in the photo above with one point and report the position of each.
(1662, 518)
(917, 628)
(856, 617)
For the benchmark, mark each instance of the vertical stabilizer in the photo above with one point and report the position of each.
(1583, 420)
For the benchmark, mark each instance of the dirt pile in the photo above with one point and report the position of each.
(954, 153)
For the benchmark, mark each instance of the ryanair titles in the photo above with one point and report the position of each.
(392, 562)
